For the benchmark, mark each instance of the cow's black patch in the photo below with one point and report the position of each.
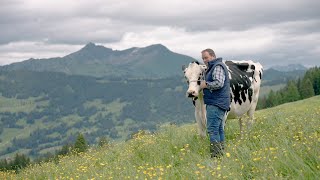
(250, 93)
(241, 66)
(253, 67)
(199, 81)
(240, 81)
(197, 62)
(260, 75)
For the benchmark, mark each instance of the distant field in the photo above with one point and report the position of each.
(264, 90)
(283, 143)
(21, 105)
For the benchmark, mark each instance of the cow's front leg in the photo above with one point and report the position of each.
(200, 118)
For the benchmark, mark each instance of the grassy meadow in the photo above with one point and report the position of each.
(283, 143)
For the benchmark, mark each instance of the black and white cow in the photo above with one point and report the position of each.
(245, 79)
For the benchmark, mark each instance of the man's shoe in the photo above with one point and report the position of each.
(215, 150)
(222, 145)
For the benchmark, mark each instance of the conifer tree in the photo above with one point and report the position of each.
(80, 145)
(292, 93)
(20, 161)
(271, 101)
(306, 89)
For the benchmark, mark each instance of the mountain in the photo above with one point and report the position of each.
(274, 77)
(289, 68)
(153, 61)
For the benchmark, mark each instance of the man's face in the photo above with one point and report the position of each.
(206, 57)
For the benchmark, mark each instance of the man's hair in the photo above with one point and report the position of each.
(210, 51)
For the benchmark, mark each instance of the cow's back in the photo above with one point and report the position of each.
(245, 80)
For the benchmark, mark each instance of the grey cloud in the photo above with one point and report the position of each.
(230, 15)
(296, 23)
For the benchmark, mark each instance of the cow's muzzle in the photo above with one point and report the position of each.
(191, 94)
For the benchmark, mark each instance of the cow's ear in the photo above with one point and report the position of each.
(184, 68)
(203, 67)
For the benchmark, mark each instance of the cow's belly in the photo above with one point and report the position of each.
(238, 110)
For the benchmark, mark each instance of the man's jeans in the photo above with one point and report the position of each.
(215, 127)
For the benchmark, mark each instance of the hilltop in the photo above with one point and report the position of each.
(283, 143)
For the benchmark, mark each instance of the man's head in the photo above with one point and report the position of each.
(208, 55)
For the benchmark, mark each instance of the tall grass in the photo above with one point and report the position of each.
(283, 143)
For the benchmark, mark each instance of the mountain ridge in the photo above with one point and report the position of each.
(289, 67)
(154, 61)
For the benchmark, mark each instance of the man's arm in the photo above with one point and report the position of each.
(218, 77)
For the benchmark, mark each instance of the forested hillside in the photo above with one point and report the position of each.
(295, 89)
(41, 110)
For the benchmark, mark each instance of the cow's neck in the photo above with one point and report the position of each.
(198, 100)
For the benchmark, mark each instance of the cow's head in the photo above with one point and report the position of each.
(194, 74)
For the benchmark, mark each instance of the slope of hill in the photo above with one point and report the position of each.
(94, 60)
(40, 111)
(283, 144)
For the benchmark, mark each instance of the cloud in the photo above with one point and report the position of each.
(192, 43)
(267, 30)
(19, 51)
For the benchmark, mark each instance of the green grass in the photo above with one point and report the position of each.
(283, 143)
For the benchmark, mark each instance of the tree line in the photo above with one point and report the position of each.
(21, 160)
(302, 88)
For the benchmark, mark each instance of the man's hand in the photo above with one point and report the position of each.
(203, 84)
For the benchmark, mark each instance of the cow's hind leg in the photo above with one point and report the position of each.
(250, 113)
(241, 128)
(250, 120)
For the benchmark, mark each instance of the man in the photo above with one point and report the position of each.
(216, 90)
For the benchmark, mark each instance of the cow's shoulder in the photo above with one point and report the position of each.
(253, 69)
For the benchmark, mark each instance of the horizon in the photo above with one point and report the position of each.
(265, 66)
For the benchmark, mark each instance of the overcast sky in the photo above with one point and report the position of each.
(270, 31)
